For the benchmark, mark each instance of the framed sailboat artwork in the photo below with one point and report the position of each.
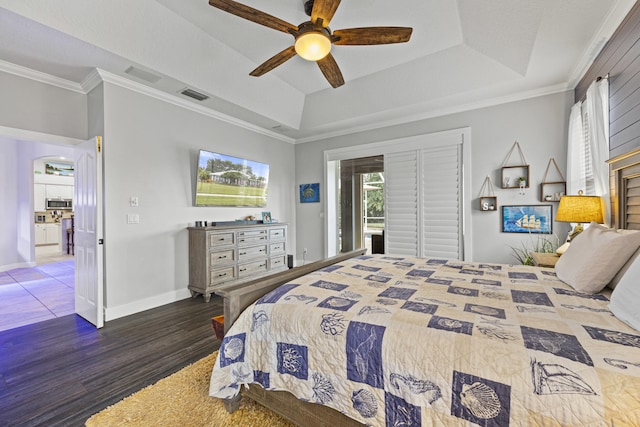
(527, 219)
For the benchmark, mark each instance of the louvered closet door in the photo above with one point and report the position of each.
(632, 192)
(401, 203)
(422, 202)
(441, 194)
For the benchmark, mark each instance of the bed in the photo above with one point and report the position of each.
(399, 340)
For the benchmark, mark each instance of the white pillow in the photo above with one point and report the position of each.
(625, 299)
(616, 279)
(595, 256)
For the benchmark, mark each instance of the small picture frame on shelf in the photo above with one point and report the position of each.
(266, 218)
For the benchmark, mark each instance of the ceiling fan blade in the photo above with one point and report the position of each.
(331, 71)
(372, 35)
(324, 9)
(254, 15)
(274, 61)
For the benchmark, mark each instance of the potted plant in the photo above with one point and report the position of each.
(523, 181)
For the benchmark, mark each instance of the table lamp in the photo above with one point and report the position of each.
(579, 209)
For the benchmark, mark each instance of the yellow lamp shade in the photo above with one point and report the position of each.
(313, 45)
(580, 209)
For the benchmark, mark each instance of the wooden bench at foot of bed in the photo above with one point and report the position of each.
(239, 297)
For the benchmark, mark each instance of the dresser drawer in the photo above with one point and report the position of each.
(277, 234)
(219, 258)
(251, 237)
(221, 239)
(222, 275)
(276, 248)
(277, 262)
(252, 252)
(252, 268)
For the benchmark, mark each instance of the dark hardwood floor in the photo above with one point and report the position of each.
(61, 371)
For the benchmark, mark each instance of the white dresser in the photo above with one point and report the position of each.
(222, 256)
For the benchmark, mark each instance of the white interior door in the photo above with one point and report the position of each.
(88, 231)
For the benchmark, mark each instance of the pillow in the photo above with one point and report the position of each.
(616, 279)
(594, 257)
(625, 299)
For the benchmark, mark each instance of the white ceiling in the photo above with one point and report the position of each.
(462, 54)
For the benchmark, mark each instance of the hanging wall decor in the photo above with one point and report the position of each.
(552, 191)
(515, 176)
(488, 199)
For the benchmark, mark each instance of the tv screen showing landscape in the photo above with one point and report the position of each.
(230, 181)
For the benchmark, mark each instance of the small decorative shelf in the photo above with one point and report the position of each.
(488, 200)
(511, 174)
(552, 191)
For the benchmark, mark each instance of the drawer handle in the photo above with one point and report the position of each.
(243, 269)
(261, 250)
(277, 262)
(263, 265)
(222, 274)
(222, 257)
(242, 253)
(222, 239)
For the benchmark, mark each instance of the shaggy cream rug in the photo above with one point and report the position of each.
(182, 399)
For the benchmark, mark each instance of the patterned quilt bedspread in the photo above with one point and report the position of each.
(413, 341)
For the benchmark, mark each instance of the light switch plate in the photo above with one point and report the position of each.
(133, 219)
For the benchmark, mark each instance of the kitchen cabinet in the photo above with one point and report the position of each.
(54, 191)
(39, 197)
(47, 234)
(53, 233)
(41, 234)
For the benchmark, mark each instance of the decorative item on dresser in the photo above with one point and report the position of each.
(222, 256)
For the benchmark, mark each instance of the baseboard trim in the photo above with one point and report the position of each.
(112, 313)
(8, 267)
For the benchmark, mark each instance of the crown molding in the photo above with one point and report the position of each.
(182, 103)
(616, 16)
(28, 135)
(417, 113)
(97, 76)
(20, 71)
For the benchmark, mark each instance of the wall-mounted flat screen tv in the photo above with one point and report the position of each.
(230, 181)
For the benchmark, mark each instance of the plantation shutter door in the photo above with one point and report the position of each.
(632, 200)
(441, 183)
(401, 203)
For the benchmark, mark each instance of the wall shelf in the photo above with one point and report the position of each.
(488, 200)
(552, 191)
(510, 174)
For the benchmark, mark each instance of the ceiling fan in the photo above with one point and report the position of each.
(313, 39)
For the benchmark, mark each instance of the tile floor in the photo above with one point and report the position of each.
(30, 295)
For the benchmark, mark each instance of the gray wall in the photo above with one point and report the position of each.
(539, 124)
(150, 151)
(40, 107)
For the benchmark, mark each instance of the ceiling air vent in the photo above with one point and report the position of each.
(194, 94)
(141, 74)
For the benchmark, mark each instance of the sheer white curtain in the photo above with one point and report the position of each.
(588, 147)
(597, 106)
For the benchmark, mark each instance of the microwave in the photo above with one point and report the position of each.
(59, 204)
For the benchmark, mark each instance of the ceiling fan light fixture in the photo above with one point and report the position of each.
(313, 45)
